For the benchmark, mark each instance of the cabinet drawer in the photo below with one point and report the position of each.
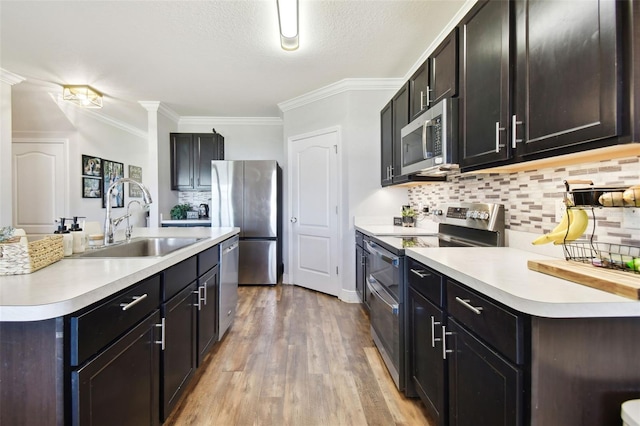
(496, 325)
(208, 259)
(99, 326)
(179, 276)
(425, 281)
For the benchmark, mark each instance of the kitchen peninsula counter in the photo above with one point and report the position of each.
(74, 283)
(502, 274)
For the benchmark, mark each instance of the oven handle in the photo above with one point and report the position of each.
(373, 249)
(378, 290)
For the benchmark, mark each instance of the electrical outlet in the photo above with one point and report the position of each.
(631, 218)
(560, 209)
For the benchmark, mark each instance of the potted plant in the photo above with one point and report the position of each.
(408, 216)
(179, 211)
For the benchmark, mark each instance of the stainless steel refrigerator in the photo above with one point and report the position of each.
(247, 194)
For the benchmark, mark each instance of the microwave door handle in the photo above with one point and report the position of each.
(427, 124)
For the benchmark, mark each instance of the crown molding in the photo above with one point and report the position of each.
(346, 85)
(100, 116)
(10, 78)
(217, 121)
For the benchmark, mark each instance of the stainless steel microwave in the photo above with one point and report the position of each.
(430, 142)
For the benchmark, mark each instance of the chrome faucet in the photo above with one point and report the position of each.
(129, 228)
(111, 224)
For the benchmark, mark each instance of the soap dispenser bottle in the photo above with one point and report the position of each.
(80, 239)
(67, 238)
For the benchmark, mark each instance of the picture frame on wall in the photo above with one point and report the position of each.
(135, 173)
(111, 172)
(91, 187)
(91, 166)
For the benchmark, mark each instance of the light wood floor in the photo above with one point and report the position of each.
(295, 357)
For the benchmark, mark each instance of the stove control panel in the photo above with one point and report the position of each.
(478, 214)
(484, 216)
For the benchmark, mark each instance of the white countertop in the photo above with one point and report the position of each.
(186, 221)
(72, 284)
(502, 274)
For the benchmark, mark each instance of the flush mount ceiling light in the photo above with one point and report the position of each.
(288, 20)
(84, 96)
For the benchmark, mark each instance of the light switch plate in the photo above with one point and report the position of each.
(560, 209)
(631, 218)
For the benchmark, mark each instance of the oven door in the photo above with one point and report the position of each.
(385, 307)
(385, 327)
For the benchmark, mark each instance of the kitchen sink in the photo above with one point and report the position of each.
(139, 247)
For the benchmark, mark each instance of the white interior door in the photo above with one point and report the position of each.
(314, 211)
(39, 185)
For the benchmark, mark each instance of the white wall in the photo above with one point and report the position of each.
(89, 135)
(357, 112)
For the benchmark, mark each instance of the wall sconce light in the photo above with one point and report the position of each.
(83, 96)
(288, 20)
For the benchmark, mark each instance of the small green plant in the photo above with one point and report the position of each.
(179, 211)
(408, 212)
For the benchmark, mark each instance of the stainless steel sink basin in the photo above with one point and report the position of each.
(139, 247)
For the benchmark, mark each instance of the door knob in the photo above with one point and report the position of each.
(294, 219)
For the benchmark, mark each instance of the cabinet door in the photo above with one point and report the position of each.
(567, 73)
(386, 144)
(484, 389)
(179, 355)
(400, 114)
(443, 82)
(207, 312)
(205, 150)
(360, 273)
(427, 369)
(485, 83)
(120, 386)
(181, 161)
(419, 91)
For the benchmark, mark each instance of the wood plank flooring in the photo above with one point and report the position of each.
(295, 357)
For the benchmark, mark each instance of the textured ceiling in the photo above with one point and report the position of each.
(210, 58)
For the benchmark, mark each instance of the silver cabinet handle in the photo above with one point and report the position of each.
(428, 100)
(514, 123)
(162, 335)
(420, 273)
(498, 129)
(136, 300)
(199, 298)
(445, 351)
(422, 105)
(434, 339)
(466, 304)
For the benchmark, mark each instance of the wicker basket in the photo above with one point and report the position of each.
(16, 258)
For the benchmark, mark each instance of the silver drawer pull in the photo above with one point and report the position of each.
(445, 351)
(466, 304)
(421, 273)
(136, 299)
(162, 335)
(433, 332)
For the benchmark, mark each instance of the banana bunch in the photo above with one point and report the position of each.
(573, 224)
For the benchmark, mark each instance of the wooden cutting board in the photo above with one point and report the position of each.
(625, 284)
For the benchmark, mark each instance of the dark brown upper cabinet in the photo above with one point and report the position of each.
(485, 81)
(400, 113)
(437, 77)
(191, 156)
(550, 84)
(386, 144)
(567, 74)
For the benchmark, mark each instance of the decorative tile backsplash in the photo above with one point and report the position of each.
(194, 198)
(530, 197)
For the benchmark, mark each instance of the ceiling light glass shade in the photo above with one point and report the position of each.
(84, 96)
(288, 20)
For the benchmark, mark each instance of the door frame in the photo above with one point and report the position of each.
(341, 202)
(66, 187)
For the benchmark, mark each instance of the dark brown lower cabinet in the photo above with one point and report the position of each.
(428, 366)
(120, 386)
(207, 312)
(178, 360)
(484, 388)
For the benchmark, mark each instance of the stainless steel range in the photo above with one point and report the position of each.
(459, 225)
